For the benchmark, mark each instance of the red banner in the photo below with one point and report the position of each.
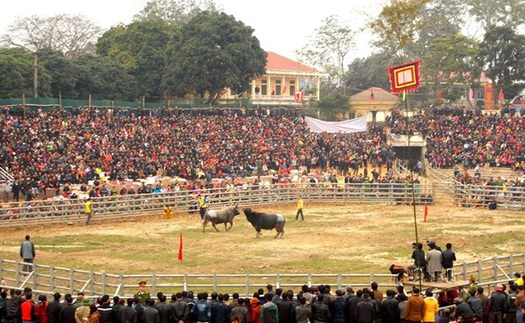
(299, 95)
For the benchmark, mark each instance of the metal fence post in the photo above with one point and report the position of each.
(277, 281)
(71, 281)
(309, 280)
(480, 271)
(464, 271)
(495, 268)
(103, 282)
(214, 282)
(154, 284)
(247, 285)
(511, 262)
(91, 283)
(185, 282)
(51, 279)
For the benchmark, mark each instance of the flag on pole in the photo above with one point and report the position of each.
(501, 98)
(180, 248)
(404, 96)
(372, 95)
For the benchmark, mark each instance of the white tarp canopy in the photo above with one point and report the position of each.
(347, 126)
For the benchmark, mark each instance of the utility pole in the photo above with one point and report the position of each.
(35, 75)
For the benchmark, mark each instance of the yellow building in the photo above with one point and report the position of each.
(373, 99)
(284, 77)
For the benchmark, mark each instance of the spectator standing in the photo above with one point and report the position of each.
(88, 210)
(390, 308)
(255, 313)
(143, 295)
(151, 314)
(12, 306)
(83, 312)
(511, 304)
(53, 309)
(497, 305)
(41, 309)
(320, 311)
(269, 311)
(366, 309)
(431, 307)
(67, 310)
(415, 307)
(303, 312)
(28, 309)
(299, 208)
(27, 252)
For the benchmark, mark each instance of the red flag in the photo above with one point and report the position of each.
(180, 248)
(426, 213)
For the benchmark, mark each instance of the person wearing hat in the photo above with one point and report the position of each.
(463, 312)
(497, 305)
(255, 310)
(143, 295)
(83, 311)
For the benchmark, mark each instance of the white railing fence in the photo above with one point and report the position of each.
(49, 279)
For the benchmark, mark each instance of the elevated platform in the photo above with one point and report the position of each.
(441, 286)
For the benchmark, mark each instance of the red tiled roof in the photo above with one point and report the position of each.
(277, 62)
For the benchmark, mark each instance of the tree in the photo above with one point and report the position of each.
(140, 47)
(104, 78)
(451, 60)
(369, 72)
(492, 13)
(397, 26)
(213, 51)
(72, 35)
(328, 49)
(16, 73)
(333, 106)
(69, 34)
(174, 12)
(502, 55)
(63, 72)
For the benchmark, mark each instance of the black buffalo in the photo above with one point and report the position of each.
(265, 221)
(224, 215)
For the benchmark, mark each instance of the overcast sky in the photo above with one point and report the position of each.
(282, 26)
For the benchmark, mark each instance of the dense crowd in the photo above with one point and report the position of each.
(312, 304)
(75, 145)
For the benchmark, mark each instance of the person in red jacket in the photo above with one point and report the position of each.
(28, 309)
(41, 309)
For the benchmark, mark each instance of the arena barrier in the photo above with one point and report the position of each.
(51, 211)
(49, 279)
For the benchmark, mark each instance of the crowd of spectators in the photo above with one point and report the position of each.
(49, 149)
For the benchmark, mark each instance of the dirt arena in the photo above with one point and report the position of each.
(332, 239)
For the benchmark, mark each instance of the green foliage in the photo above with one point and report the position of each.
(63, 73)
(398, 24)
(364, 73)
(16, 74)
(333, 106)
(104, 78)
(451, 60)
(213, 51)
(174, 12)
(492, 13)
(140, 47)
(502, 54)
